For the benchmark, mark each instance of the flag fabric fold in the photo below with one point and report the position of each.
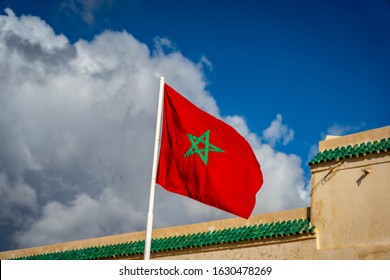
(203, 158)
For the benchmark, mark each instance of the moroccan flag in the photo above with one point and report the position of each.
(205, 159)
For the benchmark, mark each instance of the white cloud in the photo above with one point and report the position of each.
(341, 129)
(77, 125)
(30, 32)
(278, 132)
(83, 216)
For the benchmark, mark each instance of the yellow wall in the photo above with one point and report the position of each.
(350, 201)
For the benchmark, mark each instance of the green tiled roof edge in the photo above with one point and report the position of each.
(201, 239)
(352, 151)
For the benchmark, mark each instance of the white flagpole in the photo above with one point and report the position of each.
(149, 222)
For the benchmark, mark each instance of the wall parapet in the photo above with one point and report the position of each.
(265, 231)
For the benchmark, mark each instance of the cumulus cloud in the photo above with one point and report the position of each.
(278, 132)
(77, 130)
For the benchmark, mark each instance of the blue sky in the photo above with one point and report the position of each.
(286, 73)
(317, 63)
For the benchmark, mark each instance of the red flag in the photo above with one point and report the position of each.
(206, 159)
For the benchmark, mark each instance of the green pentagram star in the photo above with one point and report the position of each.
(203, 152)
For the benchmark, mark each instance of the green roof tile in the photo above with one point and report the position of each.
(352, 151)
(231, 235)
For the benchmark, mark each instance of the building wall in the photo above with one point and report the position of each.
(350, 208)
(283, 249)
(350, 199)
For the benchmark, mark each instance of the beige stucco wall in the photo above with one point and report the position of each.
(369, 252)
(350, 208)
(303, 248)
(350, 201)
